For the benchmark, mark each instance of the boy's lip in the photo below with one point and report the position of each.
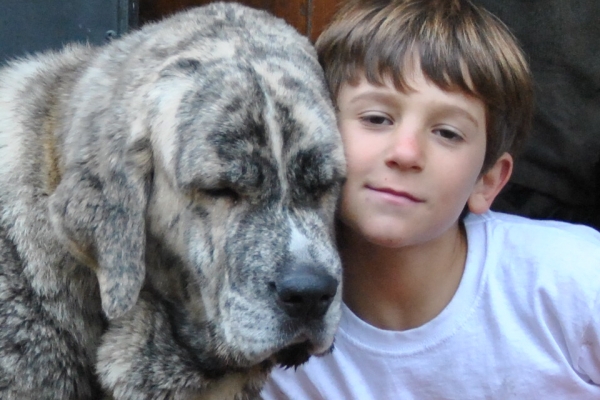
(396, 193)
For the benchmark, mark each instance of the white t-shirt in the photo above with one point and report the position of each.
(523, 324)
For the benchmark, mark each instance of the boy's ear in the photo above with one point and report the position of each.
(489, 185)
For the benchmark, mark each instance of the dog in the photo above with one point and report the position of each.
(167, 207)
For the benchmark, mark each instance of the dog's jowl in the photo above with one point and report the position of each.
(166, 212)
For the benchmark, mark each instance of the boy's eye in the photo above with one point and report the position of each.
(376, 120)
(448, 134)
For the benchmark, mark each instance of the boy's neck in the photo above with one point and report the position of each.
(403, 288)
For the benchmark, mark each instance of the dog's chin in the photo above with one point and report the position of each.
(293, 355)
(297, 354)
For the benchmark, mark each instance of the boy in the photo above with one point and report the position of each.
(434, 97)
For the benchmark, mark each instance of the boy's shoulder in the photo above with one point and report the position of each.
(534, 262)
(524, 245)
(514, 230)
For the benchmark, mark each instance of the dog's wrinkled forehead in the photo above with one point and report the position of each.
(253, 127)
(221, 130)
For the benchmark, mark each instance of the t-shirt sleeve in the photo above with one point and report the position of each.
(589, 358)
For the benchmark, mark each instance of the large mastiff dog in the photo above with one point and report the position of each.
(166, 212)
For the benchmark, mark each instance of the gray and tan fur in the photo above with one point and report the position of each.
(166, 212)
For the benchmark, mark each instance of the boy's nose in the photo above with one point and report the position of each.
(406, 150)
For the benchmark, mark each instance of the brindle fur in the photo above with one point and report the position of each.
(151, 192)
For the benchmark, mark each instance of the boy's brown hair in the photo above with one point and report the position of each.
(459, 46)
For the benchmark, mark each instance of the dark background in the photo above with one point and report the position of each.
(557, 176)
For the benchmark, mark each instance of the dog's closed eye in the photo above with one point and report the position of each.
(224, 192)
(221, 193)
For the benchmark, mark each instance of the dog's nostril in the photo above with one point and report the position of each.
(305, 295)
(292, 299)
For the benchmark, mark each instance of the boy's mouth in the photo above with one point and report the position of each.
(396, 193)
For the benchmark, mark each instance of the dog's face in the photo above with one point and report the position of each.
(246, 177)
(211, 172)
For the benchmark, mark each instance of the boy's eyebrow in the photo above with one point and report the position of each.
(462, 112)
(373, 95)
(389, 98)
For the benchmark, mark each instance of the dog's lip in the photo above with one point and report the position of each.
(299, 339)
(299, 351)
(314, 343)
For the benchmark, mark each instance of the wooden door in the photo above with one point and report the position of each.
(309, 17)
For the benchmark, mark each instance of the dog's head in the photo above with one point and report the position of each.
(229, 165)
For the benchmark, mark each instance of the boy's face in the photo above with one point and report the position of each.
(414, 159)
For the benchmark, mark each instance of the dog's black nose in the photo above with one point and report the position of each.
(306, 295)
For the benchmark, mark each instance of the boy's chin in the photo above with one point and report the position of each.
(396, 236)
(387, 241)
(374, 237)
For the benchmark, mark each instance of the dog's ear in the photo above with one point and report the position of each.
(98, 209)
